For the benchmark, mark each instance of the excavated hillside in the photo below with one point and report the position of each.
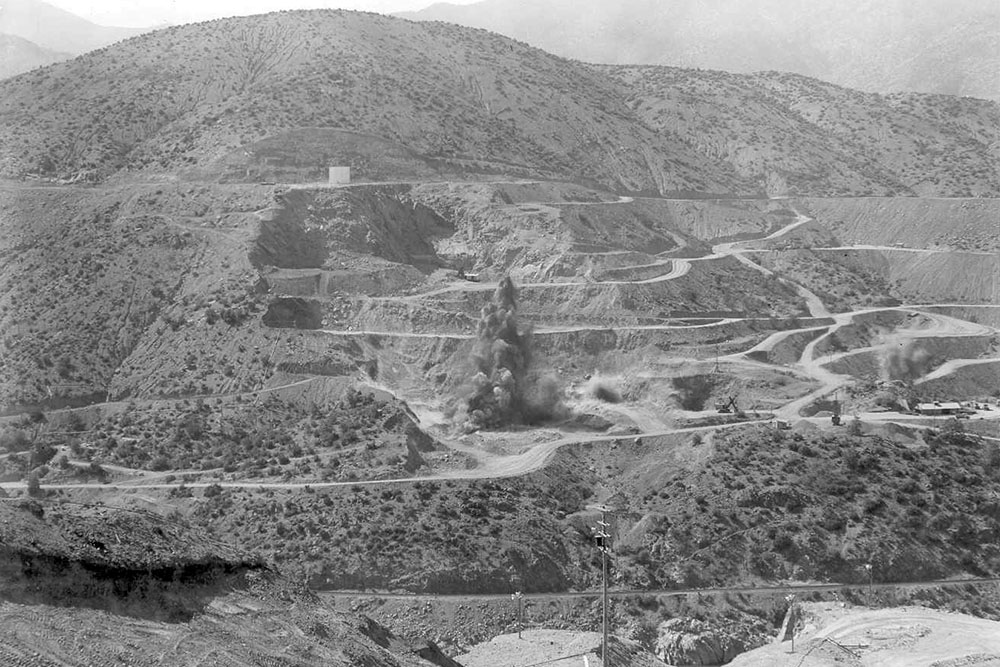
(187, 290)
(549, 285)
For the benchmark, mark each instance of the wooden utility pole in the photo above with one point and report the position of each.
(791, 618)
(603, 541)
(518, 597)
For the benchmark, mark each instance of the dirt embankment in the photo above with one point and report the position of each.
(937, 277)
(787, 350)
(725, 219)
(319, 228)
(974, 381)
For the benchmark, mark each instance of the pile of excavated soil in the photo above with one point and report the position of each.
(910, 636)
(556, 648)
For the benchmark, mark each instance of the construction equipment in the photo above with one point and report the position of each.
(728, 406)
(463, 275)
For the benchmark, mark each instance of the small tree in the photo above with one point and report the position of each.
(36, 419)
(953, 429)
(41, 454)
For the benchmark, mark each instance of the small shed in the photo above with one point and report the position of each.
(939, 408)
(340, 175)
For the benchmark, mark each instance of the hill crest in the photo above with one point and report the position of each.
(195, 101)
(931, 46)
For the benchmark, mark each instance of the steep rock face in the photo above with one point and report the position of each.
(687, 641)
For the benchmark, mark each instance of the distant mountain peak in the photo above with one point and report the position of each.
(56, 29)
(934, 46)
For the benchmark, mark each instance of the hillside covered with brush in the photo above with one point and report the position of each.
(241, 99)
(184, 98)
(800, 135)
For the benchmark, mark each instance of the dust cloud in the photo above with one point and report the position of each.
(906, 362)
(504, 391)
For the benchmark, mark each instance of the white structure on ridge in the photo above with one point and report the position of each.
(340, 175)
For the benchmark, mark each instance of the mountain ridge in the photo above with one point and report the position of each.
(56, 29)
(463, 101)
(929, 46)
(19, 55)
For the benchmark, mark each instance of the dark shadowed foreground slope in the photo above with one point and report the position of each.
(95, 585)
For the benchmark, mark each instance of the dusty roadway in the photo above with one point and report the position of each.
(785, 589)
(491, 466)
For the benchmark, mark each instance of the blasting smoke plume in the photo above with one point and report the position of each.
(907, 362)
(502, 392)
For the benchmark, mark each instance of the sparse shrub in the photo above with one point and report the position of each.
(160, 463)
(991, 457)
(41, 454)
(34, 486)
(14, 440)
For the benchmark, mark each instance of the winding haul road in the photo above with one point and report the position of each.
(492, 466)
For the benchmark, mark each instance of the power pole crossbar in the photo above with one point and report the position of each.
(603, 541)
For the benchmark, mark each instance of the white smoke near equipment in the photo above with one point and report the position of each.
(906, 361)
(504, 390)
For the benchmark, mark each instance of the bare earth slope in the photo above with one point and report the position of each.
(912, 636)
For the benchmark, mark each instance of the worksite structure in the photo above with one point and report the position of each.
(340, 175)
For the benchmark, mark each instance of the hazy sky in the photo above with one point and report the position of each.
(143, 13)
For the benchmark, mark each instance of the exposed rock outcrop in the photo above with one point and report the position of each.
(688, 641)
